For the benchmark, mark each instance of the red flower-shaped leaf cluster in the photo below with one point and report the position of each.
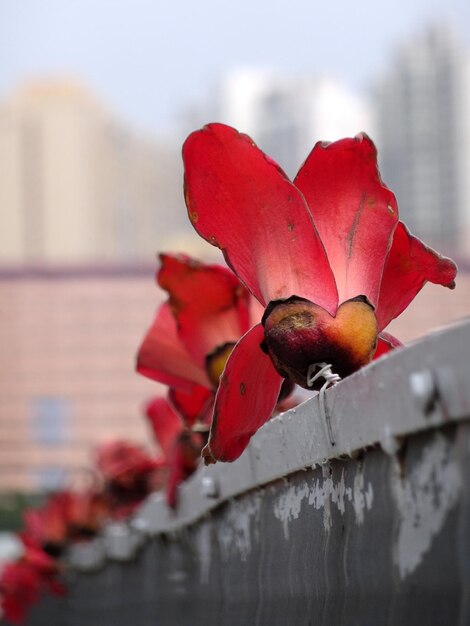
(129, 474)
(186, 348)
(206, 313)
(23, 582)
(66, 516)
(325, 255)
(125, 476)
(181, 446)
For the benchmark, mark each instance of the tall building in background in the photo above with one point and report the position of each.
(76, 185)
(423, 119)
(419, 117)
(287, 114)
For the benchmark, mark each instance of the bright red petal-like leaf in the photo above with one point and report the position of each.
(205, 288)
(193, 407)
(48, 524)
(123, 462)
(162, 356)
(183, 462)
(87, 512)
(410, 264)
(21, 586)
(209, 303)
(385, 343)
(247, 394)
(241, 201)
(35, 556)
(166, 423)
(23, 581)
(354, 212)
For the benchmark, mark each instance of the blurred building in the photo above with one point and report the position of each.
(77, 185)
(419, 117)
(423, 119)
(68, 341)
(286, 114)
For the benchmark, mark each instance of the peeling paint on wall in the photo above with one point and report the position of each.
(240, 527)
(322, 494)
(362, 499)
(204, 550)
(424, 498)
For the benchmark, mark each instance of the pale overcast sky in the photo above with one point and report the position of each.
(148, 58)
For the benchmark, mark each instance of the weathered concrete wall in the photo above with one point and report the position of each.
(377, 540)
(292, 534)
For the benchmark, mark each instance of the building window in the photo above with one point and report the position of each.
(49, 479)
(50, 420)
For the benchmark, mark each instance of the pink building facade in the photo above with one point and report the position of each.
(68, 339)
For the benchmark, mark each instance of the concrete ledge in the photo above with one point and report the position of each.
(374, 530)
(413, 389)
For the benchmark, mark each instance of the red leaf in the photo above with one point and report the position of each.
(247, 394)
(162, 356)
(48, 524)
(241, 201)
(166, 424)
(22, 583)
(20, 587)
(354, 212)
(124, 463)
(385, 343)
(183, 461)
(210, 304)
(410, 264)
(193, 407)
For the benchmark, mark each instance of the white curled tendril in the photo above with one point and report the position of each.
(324, 371)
